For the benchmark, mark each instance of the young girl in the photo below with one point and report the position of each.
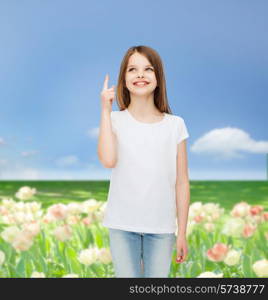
(145, 145)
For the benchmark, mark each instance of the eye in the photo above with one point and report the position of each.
(145, 69)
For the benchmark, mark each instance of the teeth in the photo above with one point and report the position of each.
(140, 84)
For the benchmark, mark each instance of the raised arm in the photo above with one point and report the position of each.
(107, 149)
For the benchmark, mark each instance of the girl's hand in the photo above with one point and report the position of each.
(107, 95)
(182, 249)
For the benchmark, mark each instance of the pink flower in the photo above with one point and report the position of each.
(241, 209)
(73, 219)
(218, 252)
(256, 209)
(63, 232)
(265, 216)
(209, 227)
(4, 211)
(58, 211)
(198, 218)
(248, 230)
(33, 228)
(86, 221)
(48, 218)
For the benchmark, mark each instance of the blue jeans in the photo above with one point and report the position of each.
(137, 254)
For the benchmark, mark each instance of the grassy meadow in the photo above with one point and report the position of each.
(53, 229)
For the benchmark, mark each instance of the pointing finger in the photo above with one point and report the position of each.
(111, 88)
(105, 84)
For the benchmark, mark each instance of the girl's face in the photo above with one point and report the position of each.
(140, 69)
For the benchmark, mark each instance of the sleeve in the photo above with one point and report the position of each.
(114, 121)
(182, 132)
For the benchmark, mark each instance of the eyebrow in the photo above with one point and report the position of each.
(135, 66)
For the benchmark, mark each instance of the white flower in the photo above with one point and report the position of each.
(241, 209)
(38, 275)
(104, 255)
(208, 212)
(233, 227)
(23, 241)
(210, 275)
(25, 193)
(195, 209)
(10, 233)
(8, 219)
(232, 258)
(74, 208)
(34, 206)
(20, 206)
(88, 256)
(210, 208)
(2, 257)
(90, 205)
(209, 227)
(70, 276)
(21, 217)
(48, 218)
(8, 203)
(73, 219)
(260, 267)
(63, 232)
(33, 227)
(103, 206)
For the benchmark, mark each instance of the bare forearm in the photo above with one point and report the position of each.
(182, 205)
(106, 141)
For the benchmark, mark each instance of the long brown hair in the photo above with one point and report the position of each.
(160, 93)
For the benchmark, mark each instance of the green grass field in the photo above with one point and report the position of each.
(226, 193)
(71, 245)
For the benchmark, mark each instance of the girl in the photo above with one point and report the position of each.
(145, 145)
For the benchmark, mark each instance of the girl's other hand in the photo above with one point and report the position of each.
(182, 249)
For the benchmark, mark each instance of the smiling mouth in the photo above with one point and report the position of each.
(140, 84)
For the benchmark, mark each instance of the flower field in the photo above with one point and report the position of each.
(57, 231)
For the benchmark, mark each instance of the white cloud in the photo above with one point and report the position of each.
(93, 132)
(29, 153)
(3, 162)
(22, 172)
(92, 172)
(69, 160)
(227, 143)
(246, 174)
(2, 142)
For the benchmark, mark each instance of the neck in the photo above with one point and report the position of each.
(143, 105)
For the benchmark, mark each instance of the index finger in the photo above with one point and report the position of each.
(105, 84)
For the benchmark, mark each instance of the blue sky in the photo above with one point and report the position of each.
(54, 56)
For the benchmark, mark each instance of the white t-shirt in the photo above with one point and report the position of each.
(142, 194)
